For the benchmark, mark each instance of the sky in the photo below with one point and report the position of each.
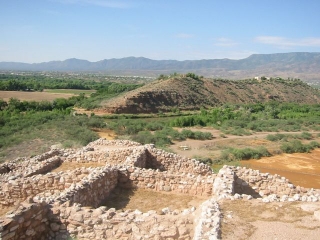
(34, 31)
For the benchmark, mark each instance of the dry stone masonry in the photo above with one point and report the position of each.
(42, 204)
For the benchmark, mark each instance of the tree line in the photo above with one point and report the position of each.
(10, 82)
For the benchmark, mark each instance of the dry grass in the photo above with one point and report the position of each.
(26, 149)
(146, 200)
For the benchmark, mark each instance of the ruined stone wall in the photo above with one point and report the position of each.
(29, 167)
(103, 223)
(223, 186)
(185, 183)
(271, 187)
(164, 161)
(15, 190)
(126, 156)
(30, 221)
(117, 143)
(91, 190)
(208, 222)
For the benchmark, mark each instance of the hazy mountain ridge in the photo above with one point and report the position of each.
(296, 64)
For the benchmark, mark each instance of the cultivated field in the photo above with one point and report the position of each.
(48, 95)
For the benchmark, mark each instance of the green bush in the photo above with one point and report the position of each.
(276, 137)
(296, 146)
(236, 154)
(205, 160)
(305, 135)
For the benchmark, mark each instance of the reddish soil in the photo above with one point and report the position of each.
(301, 169)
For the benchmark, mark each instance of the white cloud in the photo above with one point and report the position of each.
(183, 35)
(287, 42)
(99, 3)
(225, 42)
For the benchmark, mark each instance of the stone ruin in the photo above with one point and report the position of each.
(68, 204)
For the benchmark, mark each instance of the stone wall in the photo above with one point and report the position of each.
(103, 223)
(91, 191)
(130, 154)
(270, 187)
(30, 221)
(15, 190)
(165, 181)
(28, 167)
(164, 161)
(208, 222)
(223, 186)
(115, 143)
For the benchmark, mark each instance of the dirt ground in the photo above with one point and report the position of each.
(301, 169)
(146, 200)
(252, 219)
(33, 96)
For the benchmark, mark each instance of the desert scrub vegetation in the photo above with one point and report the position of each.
(284, 137)
(245, 118)
(23, 121)
(155, 132)
(237, 154)
(296, 146)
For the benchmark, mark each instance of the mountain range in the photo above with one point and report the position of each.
(304, 65)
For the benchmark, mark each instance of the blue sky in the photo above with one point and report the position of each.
(44, 30)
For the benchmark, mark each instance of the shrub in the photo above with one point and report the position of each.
(234, 154)
(187, 133)
(296, 146)
(202, 135)
(276, 137)
(305, 135)
(205, 160)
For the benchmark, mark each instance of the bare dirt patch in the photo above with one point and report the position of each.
(145, 200)
(73, 165)
(301, 169)
(89, 112)
(105, 133)
(33, 96)
(256, 220)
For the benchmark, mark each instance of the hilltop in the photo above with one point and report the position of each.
(192, 93)
(303, 65)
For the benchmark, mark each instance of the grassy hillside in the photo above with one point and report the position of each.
(193, 93)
